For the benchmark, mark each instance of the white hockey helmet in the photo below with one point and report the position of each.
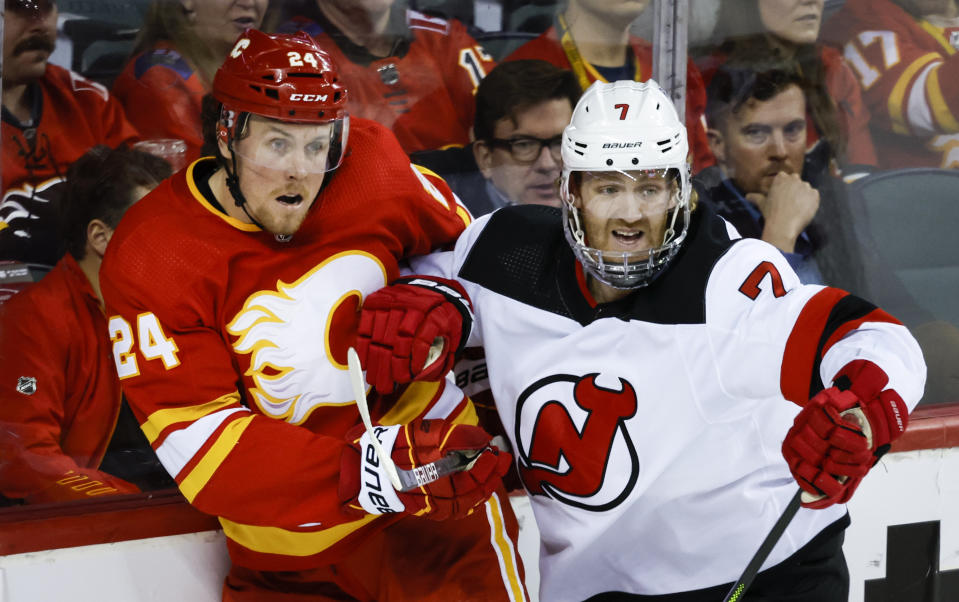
(626, 126)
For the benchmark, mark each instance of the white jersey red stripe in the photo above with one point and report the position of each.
(649, 430)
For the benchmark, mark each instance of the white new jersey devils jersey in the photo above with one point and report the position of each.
(648, 431)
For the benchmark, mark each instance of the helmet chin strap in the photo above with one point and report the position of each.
(233, 184)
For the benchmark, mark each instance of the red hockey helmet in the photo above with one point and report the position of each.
(287, 77)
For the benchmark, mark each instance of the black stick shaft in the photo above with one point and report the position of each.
(746, 579)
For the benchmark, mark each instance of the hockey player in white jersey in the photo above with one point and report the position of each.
(664, 382)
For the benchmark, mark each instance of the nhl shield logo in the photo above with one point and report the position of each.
(389, 74)
(27, 385)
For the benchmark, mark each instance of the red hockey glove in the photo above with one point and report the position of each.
(399, 324)
(842, 432)
(365, 485)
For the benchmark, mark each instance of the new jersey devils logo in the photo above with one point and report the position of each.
(572, 441)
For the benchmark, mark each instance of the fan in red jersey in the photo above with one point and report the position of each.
(414, 73)
(51, 116)
(232, 294)
(178, 49)
(904, 55)
(67, 433)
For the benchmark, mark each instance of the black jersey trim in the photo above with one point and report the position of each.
(519, 254)
(823, 551)
(522, 254)
(847, 309)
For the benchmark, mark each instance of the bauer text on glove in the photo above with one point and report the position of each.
(365, 486)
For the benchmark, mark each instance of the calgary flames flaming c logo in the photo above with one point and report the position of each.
(297, 336)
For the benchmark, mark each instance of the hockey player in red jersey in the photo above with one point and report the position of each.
(904, 55)
(232, 294)
(665, 383)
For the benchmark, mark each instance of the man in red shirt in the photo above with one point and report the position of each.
(51, 116)
(415, 74)
(59, 392)
(232, 293)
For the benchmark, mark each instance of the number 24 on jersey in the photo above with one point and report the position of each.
(153, 344)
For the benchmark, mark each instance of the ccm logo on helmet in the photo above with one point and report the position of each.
(310, 97)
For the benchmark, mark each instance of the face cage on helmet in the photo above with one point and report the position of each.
(636, 269)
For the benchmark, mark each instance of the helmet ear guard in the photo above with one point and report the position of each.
(626, 126)
(230, 124)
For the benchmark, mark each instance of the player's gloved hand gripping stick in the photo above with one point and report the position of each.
(445, 470)
(841, 433)
(835, 439)
(801, 497)
(405, 480)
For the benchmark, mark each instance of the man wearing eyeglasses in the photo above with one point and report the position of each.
(521, 110)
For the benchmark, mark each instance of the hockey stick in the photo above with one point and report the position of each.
(404, 480)
(752, 569)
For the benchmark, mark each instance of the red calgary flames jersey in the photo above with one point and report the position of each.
(548, 47)
(853, 116)
(424, 92)
(75, 114)
(163, 96)
(231, 345)
(909, 73)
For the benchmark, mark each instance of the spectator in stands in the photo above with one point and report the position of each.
(757, 132)
(59, 392)
(414, 73)
(904, 54)
(51, 116)
(521, 110)
(756, 128)
(592, 38)
(179, 48)
(787, 31)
